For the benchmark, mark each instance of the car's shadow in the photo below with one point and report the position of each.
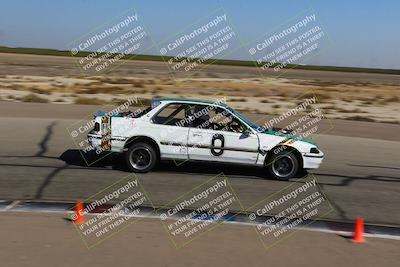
(75, 157)
(116, 161)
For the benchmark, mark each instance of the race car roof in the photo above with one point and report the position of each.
(195, 101)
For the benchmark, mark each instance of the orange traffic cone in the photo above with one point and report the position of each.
(358, 236)
(79, 219)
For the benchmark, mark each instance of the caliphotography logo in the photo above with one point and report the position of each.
(200, 210)
(290, 44)
(296, 205)
(112, 210)
(104, 48)
(95, 135)
(201, 43)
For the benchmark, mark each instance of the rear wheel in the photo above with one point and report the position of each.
(141, 157)
(283, 166)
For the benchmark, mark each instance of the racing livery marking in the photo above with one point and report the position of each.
(214, 150)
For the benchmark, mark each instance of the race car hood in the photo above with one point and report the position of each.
(270, 138)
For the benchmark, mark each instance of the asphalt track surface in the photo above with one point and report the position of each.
(47, 240)
(39, 161)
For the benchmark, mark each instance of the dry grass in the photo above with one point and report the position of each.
(377, 101)
(39, 90)
(145, 101)
(342, 110)
(34, 99)
(393, 99)
(322, 97)
(237, 100)
(89, 101)
(103, 90)
(212, 75)
(359, 118)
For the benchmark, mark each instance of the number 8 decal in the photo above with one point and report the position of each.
(216, 150)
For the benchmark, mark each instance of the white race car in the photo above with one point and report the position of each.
(182, 129)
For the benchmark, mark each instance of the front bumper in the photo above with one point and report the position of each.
(312, 160)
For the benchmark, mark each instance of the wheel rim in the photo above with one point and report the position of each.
(283, 166)
(140, 158)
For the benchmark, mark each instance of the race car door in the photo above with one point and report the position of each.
(171, 129)
(217, 135)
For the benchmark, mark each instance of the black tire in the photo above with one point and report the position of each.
(141, 157)
(283, 165)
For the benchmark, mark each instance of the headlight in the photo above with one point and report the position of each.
(314, 150)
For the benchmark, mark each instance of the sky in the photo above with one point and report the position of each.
(356, 33)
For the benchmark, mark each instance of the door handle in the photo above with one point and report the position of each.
(197, 134)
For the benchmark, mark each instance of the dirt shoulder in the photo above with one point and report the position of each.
(341, 95)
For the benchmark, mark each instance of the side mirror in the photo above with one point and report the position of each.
(246, 133)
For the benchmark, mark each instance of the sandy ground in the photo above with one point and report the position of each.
(49, 240)
(366, 97)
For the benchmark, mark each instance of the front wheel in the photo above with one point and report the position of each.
(141, 157)
(283, 166)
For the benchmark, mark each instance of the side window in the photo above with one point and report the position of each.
(199, 115)
(172, 114)
(220, 119)
(216, 118)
